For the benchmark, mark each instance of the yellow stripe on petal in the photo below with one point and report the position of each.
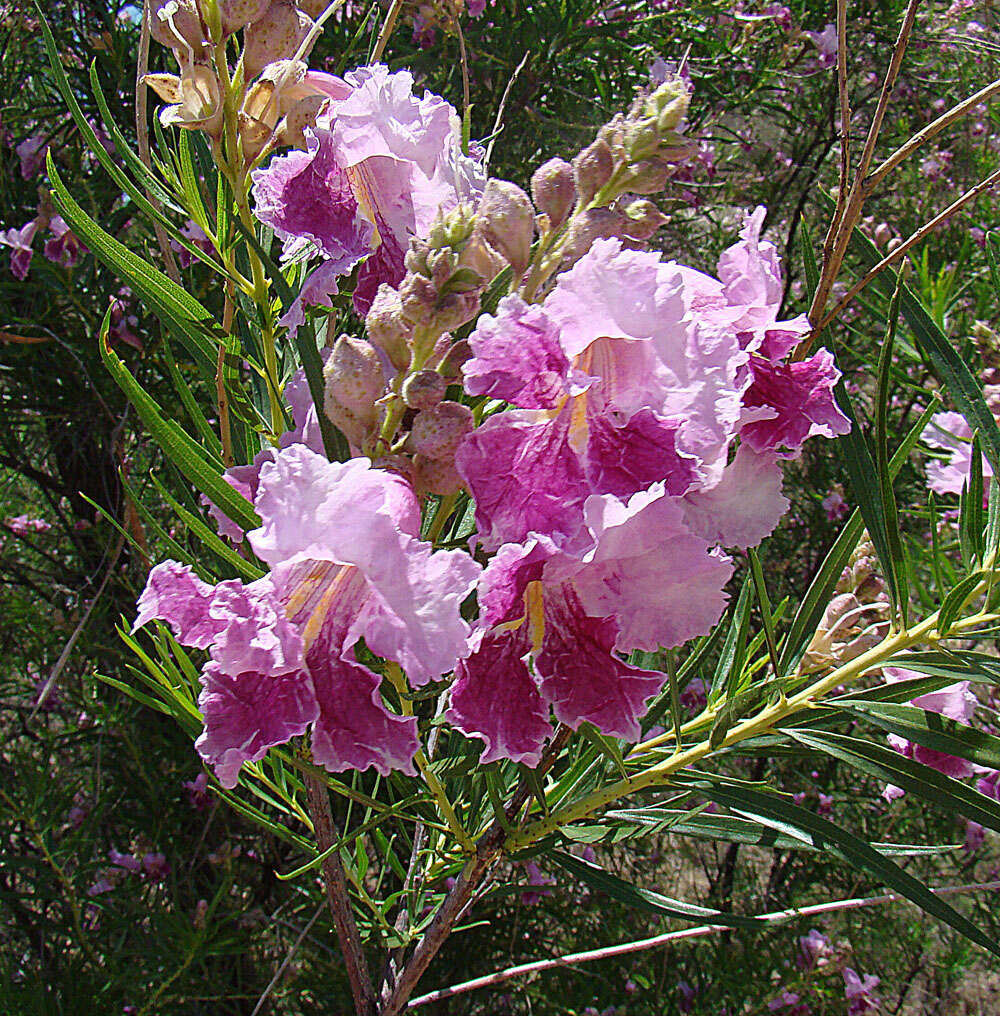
(534, 603)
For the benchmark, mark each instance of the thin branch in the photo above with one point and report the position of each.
(901, 250)
(930, 131)
(284, 963)
(625, 948)
(387, 26)
(318, 798)
(498, 122)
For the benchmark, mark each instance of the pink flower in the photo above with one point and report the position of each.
(63, 247)
(826, 42)
(859, 992)
(378, 168)
(127, 861)
(31, 152)
(571, 614)
(23, 525)
(815, 949)
(536, 877)
(950, 433)
(834, 504)
(346, 562)
(956, 702)
(19, 241)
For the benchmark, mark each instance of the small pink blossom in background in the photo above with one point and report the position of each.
(975, 834)
(834, 504)
(24, 525)
(826, 42)
(101, 886)
(193, 232)
(197, 792)
(155, 866)
(63, 247)
(956, 702)
(123, 323)
(688, 994)
(950, 432)
(788, 1004)
(859, 992)
(536, 877)
(127, 861)
(19, 241)
(815, 950)
(31, 152)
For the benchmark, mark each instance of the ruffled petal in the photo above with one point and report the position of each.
(248, 713)
(517, 357)
(495, 697)
(176, 595)
(662, 584)
(581, 676)
(744, 506)
(625, 458)
(355, 730)
(524, 477)
(801, 394)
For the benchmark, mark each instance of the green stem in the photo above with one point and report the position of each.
(395, 675)
(763, 722)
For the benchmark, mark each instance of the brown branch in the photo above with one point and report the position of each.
(318, 799)
(843, 225)
(901, 250)
(488, 851)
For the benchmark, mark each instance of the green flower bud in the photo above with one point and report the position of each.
(644, 219)
(387, 327)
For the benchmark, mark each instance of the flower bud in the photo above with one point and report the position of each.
(418, 297)
(554, 190)
(435, 476)
(455, 309)
(648, 177)
(275, 36)
(644, 219)
(451, 365)
(424, 390)
(669, 104)
(507, 220)
(592, 169)
(883, 234)
(437, 432)
(387, 328)
(354, 376)
(593, 224)
(642, 139)
(237, 14)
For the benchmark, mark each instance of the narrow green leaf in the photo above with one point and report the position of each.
(183, 451)
(956, 664)
(820, 590)
(771, 810)
(932, 730)
(913, 777)
(955, 601)
(729, 662)
(644, 899)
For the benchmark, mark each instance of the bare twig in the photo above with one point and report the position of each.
(488, 852)
(498, 122)
(903, 248)
(284, 963)
(387, 26)
(848, 214)
(673, 936)
(318, 798)
(930, 131)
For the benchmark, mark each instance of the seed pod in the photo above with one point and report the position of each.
(644, 219)
(507, 221)
(554, 190)
(648, 177)
(387, 328)
(176, 24)
(424, 390)
(437, 433)
(592, 169)
(276, 35)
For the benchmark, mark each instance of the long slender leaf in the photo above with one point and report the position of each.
(931, 730)
(643, 899)
(772, 810)
(184, 452)
(810, 611)
(892, 767)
